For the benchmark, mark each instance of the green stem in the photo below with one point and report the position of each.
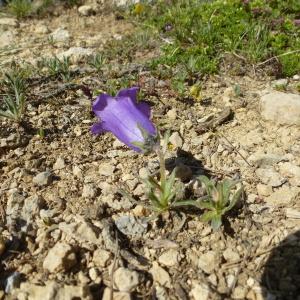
(162, 167)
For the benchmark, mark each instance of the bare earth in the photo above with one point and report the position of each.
(66, 231)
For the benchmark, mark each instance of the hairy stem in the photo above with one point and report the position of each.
(162, 167)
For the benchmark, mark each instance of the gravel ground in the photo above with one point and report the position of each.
(68, 233)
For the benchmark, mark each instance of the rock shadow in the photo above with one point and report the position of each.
(281, 275)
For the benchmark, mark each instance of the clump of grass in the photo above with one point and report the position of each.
(57, 67)
(195, 35)
(14, 96)
(98, 61)
(20, 8)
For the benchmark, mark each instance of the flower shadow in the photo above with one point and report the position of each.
(281, 274)
(188, 166)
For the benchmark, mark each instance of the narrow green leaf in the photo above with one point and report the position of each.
(206, 205)
(208, 216)
(153, 182)
(6, 114)
(216, 222)
(155, 201)
(228, 185)
(220, 197)
(208, 184)
(170, 181)
(234, 200)
(10, 104)
(185, 203)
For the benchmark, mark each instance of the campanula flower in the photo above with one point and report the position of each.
(126, 118)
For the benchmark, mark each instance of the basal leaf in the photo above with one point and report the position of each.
(208, 216)
(216, 222)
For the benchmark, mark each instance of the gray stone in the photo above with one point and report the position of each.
(132, 226)
(280, 83)
(160, 293)
(60, 35)
(143, 173)
(60, 258)
(59, 164)
(101, 257)
(14, 203)
(120, 3)
(169, 258)
(9, 22)
(270, 177)
(239, 292)
(172, 114)
(282, 196)
(281, 108)
(251, 138)
(117, 295)
(82, 278)
(32, 207)
(6, 38)
(81, 231)
(292, 171)
(52, 291)
(106, 188)
(140, 191)
(85, 10)
(260, 159)
(292, 213)
(176, 140)
(106, 169)
(208, 261)
(77, 171)
(200, 291)
(126, 280)
(76, 54)
(43, 178)
(41, 29)
(89, 191)
(160, 275)
(231, 255)
(296, 77)
(264, 190)
(93, 274)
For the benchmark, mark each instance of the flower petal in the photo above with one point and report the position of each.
(123, 118)
(144, 108)
(128, 120)
(131, 93)
(101, 102)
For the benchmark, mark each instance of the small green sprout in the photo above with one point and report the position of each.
(20, 8)
(98, 61)
(220, 199)
(14, 97)
(237, 90)
(57, 67)
(41, 132)
(161, 193)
